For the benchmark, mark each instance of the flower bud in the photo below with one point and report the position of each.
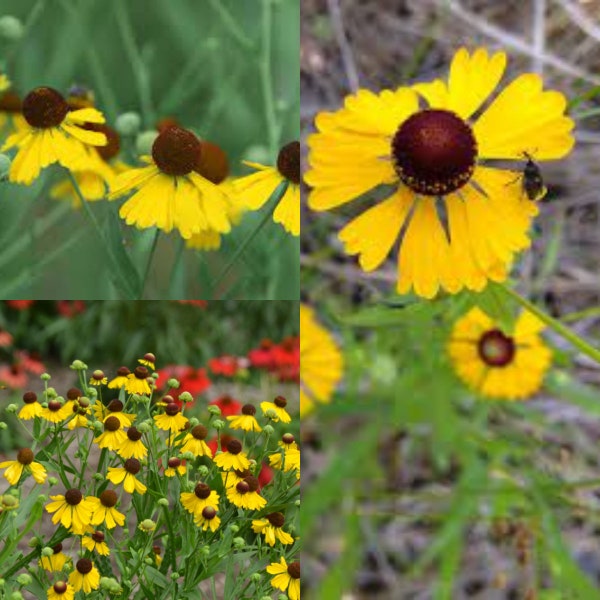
(98, 477)
(78, 365)
(144, 427)
(52, 480)
(11, 28)
(193, 422)
(213, 409)
(219, 425)
(34, 542)
(187, 455)
(205, 550)
(16, 596)
(12, 408)
(173, 383)
(163, 502)
(268, 430)
(45, 377)
(255, 577)
(24, 579)
(239, 543)
(148, 561)
(203, 471)
(128, 123)
(144, 141)
(186, 397)
(47, 551)
(271, 414)
(51, 393)
(3, 425)
(174, 575)
(234, 528)
(148, 525)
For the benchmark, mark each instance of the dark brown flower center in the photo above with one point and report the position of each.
(166, 123)
(132, 465)
(276, 519)
(176, 151)
(113, 145)
(122, 371)
(496, 349)
(213, 164)
(248, 409)
(98, 375)
(288, 438)
(29, 397)
(172, 409)
(234, 447)
(108, 498)
(11, 103)
(253, 483)
(199, 432)
(115, 406)
(60, 587)
(84, 566)
(280, 402)
(242, 487)
(202, 491)
(112, 424)
(174, 462)
(141, 372)
(54, 405)
(44, 107)
(434, 152)
(57, 548)
(294, 570)
(134, 434)
(209, 513)
(25, 456)
(98, 536)
(73, 497)
(73, 394)
(288, 162)
(150, 357)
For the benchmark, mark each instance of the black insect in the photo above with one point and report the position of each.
(533, 183)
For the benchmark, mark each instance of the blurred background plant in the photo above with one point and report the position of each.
(416, 486)
(225, 69)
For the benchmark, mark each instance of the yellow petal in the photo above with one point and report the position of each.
(287, 212)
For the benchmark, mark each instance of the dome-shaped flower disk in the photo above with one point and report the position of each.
(171, 194)
(321, 362)
(54, 134)
(458, 223)
(254, 190)
(495, 364)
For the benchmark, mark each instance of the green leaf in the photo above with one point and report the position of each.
(492, 301)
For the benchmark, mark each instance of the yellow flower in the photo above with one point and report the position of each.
(436, 157)
(85, 576)
(246, 421)
(171, 193)
(32, 407)
(120, 380)
(287, 577)
(171, 419)
(289, 459)
(174, 466)
(495, 364)
(113, 436)
(56, 562)
(207, 519)
(113, 409)
(278, 405)
(194, 442)
(321, 362)
(95, 543)
(24, 462)
(245, 495)
(56, 411)
(137, 382)
(271, 528)
(61, 590)
(72, 510)
(254, 190)
(104, 510)
(202, 496)
(133, 447)
(149, 360)
(127, 476)
(233, 459)
(98, 378)
(11, 116)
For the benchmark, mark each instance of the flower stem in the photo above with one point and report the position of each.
(265, 77)
(561, 329)
(149, 263)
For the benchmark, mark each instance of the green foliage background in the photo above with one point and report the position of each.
(196, 60)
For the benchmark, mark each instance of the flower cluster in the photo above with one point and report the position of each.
(125, 472)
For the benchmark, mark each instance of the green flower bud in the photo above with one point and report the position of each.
(194, 422)
(149, 561)
(34, 542)
(234, 528)
(98, 426)
(163, 502)
(45, 377)
(11, 28)
(51, 393)
(144, 141)
(98, 477)
(47, 551)
(266, 598)
(214, 410)
(144, 427)
(219, 425)
(3, 425)
(282, 597)
(5, 163)
(12, 408)
(257, 153)
(52, 480)
(174, 575)
(239, 543)
(269, 430)
(271, 414)
(297, 503)
(91, 392)
(205, 550)
(186, 397)
(203, 471)
(148, 525)
(78, 365)
(255, 577)
(128, 123)
(173, 383)
(155, 376)
(16, 596)
(187, 455)
(24, 579)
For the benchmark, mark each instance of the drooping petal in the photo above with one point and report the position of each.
(287, 212)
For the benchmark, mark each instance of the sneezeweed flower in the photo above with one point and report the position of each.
(171, 419)
(137, 382)
(11, 112)
(113, 409)
(147, 526)
(148, 360)
(232, 478)
(233, 459)
(56, 411)
(95, 543)
(32, 407)
(271, 528)
(24, 463)
(175, 466)
(289, 458)
(278, 406)
(81, 409)
(435, 157)
(171, 193)
(496, 364)
(72, 510)
(246, 421)
(245, 494)
(127, 475)
(256, 189)
(85, 576)
(321, 362)
(227, 405)
(194, 442)
(61, 590)
(98, 378)
(113, 436)
(55, 561)
(208, 519)
(104, 510)
(287, 577)
(202, 496)
(120, 380)
(133, 447)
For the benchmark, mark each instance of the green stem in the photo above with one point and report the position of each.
(149, 263)
(562, 330)
(265, 77)
(177, 270)
(592, 311)
(276, 197)
(236, 31)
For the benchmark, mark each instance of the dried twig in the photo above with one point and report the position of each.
(335, 14)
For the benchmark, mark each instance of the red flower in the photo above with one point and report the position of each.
(30, 362)
(70, 308)
(265, 476)
(194, 381)
(229, 406)
(198, 303)
(225, 365)
(213, 443)
(6, 338)
(13, 376)
(20, 304)
(262, 357)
